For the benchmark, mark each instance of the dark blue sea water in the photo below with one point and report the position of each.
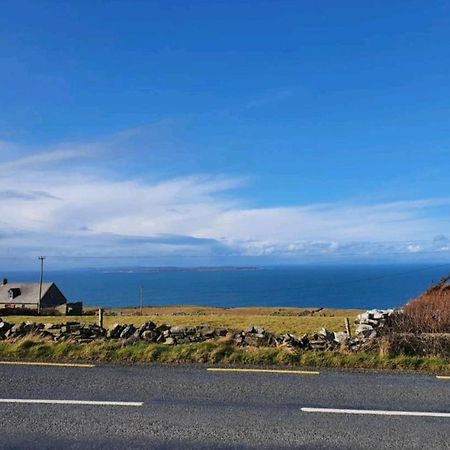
(330, 287)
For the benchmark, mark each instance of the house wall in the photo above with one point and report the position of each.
(53, 297)
(18, 305)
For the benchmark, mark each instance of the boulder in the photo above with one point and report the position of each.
(192, 331)
(220, 332)
(4, 327)
(366, 331)
(205, 331)
(318, 344)
(166, 333)
(177, 331)
(340, 337)
(161, 328)
(137, 334)
(149, 325)
(127, 332)
(114, 331)
(325, 334)
(149, 335)
(17, 330)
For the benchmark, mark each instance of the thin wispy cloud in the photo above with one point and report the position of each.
(269, 98)
(42, 159)
(24, 195)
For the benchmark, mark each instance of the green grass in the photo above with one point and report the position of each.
(213, 352)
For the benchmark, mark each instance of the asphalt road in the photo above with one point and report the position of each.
(188, 407)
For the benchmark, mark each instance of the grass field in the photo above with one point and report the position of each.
(276, 320)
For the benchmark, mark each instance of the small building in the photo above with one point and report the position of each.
(26, 296)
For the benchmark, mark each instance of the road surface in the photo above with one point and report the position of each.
(190, 407)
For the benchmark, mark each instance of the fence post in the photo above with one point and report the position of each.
(347, 328)
(100, 317)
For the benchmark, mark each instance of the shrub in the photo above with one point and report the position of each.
(430, 313)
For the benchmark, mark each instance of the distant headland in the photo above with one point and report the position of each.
(180, 269)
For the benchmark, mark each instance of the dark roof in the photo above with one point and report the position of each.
(29, 292)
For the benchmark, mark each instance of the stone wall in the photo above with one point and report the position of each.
(368, 326)
(371, 323)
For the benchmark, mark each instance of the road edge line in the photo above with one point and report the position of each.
(45, 364)
(375, 412)
(69, 402)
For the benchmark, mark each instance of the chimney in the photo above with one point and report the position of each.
(4, 281)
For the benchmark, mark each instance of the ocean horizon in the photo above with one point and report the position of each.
(349, 286)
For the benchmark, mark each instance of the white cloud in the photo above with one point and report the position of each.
(414, 248)
(341, 221)
(46, 208)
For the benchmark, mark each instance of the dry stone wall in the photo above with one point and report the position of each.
(369, 324)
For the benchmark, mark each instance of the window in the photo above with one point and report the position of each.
(14, 293)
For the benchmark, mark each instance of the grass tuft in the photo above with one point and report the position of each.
(212, 352)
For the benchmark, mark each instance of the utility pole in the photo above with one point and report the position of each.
(41, 258)
(141, 299)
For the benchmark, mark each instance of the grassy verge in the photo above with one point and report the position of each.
(214, 353)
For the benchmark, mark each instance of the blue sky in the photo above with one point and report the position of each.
(224, 132)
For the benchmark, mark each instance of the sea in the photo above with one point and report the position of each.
(355, 286)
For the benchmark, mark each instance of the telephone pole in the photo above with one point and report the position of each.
(41, 258)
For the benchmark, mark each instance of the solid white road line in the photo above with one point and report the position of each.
(45, 364)
(375, 412)
(69, 402)
(281, 371)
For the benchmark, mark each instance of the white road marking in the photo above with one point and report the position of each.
(281, 371)
(69, 402)
(375, 412)
(45, 364)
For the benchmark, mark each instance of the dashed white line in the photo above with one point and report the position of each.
(277, 371)
(375, 412)
(69, 402)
